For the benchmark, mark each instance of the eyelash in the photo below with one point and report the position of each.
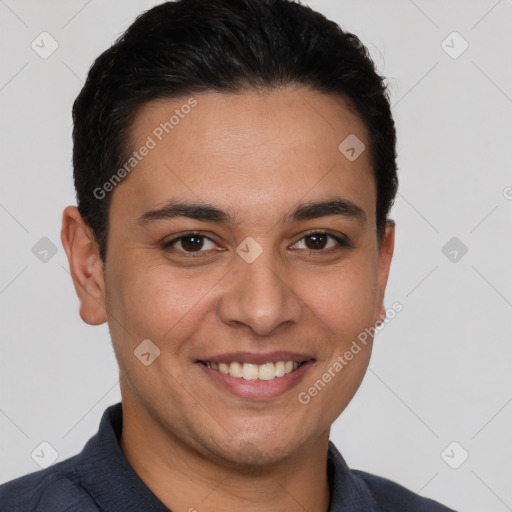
(342, 243)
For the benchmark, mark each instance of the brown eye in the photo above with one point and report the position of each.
(320, 242)
(317, 241)
(192, 243)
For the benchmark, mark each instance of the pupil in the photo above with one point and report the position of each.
(317, 241)
(192, 243)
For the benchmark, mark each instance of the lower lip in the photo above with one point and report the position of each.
(255, 389)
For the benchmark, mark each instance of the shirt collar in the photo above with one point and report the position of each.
(106, 474)
(114, 485)
(348, 492)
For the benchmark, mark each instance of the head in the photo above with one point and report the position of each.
(222, 215)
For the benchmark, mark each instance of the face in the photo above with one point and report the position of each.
(244, 244)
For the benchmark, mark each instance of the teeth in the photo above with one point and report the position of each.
(235, 370)
(223, 368)
(248, 371)
(267, 371)
(280, 366)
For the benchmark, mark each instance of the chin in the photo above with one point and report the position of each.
(257, 450)
(250, 455)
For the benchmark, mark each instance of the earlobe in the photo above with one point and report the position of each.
(85, 265)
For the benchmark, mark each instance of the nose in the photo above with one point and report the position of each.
(260, 297)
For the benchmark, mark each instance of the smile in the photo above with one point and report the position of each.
(249, 371)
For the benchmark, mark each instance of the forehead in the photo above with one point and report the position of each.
(248, 151)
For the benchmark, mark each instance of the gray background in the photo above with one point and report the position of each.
(441, 370)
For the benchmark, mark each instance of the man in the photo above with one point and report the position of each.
(235, 166)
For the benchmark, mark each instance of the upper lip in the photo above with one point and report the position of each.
(256, 357)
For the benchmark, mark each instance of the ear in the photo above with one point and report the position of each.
(85, 265)
(384, 262)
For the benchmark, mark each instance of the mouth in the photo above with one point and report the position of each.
(250, 371)
(256, 376)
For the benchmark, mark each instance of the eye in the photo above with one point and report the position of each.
(320, 241)
(195, 243)
(191, 243)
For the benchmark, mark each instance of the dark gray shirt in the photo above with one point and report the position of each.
(99, 479)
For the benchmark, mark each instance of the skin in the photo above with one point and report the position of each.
(257, 156)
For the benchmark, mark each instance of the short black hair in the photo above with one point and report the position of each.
(191, 46)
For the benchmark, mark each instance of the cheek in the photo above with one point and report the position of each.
(345, 298)
(157, 302)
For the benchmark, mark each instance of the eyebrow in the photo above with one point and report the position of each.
(210, 213)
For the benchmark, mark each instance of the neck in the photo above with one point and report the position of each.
(182, 478)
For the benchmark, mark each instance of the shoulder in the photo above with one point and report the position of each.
(392, 497)
(53, 489)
